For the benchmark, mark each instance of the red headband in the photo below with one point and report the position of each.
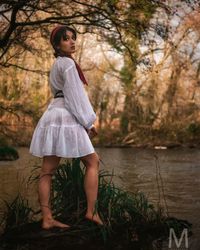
(53, 33)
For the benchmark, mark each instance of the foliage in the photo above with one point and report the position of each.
(126, 75)
(193, 128)
(17, 213)
(112, 17)
(8, 153)
(3, 141)
(124, 121)
(68, 195)
(149, 98)
(123, 212)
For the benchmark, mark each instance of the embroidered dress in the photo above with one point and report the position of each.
(61, 129)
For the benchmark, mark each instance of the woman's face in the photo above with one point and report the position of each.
(68, 45)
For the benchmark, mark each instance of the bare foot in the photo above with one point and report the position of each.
(95, 218)
(51, 223)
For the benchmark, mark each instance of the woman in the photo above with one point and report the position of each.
(65, 127)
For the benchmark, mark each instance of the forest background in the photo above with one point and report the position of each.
(141, 59)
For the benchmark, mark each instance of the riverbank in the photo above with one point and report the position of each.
(141, 137)
(153, 145)
(134, 169)
(146, 137)
(130, 220)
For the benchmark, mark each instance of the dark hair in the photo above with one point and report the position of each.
(56, 38)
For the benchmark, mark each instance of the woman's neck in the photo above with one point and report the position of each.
(61, 53)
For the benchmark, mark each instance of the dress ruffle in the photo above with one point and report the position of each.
(59, 133)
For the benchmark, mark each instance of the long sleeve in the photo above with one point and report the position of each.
(76, 98)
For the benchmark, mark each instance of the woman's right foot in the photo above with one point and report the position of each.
(51, 223)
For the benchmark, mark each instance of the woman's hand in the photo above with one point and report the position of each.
(92, 132)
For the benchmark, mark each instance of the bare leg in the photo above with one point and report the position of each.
(49, 165)
(91, 163)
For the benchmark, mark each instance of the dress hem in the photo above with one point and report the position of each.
(63, 156)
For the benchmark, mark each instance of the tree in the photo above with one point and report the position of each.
(166, 83)
(21, 19)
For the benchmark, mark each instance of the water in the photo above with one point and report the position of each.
(178, 170)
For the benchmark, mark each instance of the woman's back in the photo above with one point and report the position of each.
(56, 79)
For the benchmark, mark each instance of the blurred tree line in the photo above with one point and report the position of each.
(136, 79)
(165, 89)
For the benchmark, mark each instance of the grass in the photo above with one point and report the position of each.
(17, 213)
(129, 217)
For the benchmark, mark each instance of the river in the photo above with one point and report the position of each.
(178, 170)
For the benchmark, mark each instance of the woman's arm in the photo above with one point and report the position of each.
(76, 99)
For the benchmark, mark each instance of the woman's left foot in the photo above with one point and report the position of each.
(94, 218)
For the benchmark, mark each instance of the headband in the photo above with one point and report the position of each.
(54, 31)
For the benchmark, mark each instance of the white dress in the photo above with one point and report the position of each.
(61, 129)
